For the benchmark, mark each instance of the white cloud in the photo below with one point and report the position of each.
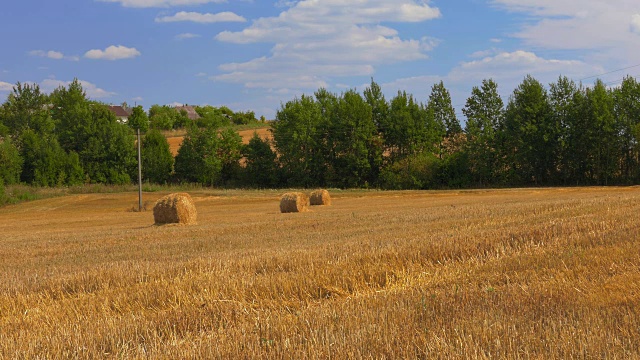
(161, 3)
(513, 66)
(484, 53)
(635, 23)
(138, 98)
(4, 86)
(603, 30)
(175, 103)
(185, 36)
(51, 54)
(112, 53)
(48, 85)
(202, 18)
(315, 41)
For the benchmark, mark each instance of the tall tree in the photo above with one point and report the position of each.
(26, 108)
(299, 134)
(72, 114)
(409, 128)
(157, 161)
(379, 107)
(564, 101)
(208, 156)
(600, 110)
(484, 110)
(356, 157)
(106, 148)
(627, 113)
(443, 111)
(260, 169)
(531, 134)
(138, 119)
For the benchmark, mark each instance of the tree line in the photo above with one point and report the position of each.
(561, 134)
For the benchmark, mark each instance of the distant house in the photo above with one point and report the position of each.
(191, 111)
(121, 113)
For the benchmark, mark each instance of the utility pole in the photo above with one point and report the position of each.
(139, 174)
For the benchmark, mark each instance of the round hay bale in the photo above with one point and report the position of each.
(320, 197)
(175, 208)
(294, 202)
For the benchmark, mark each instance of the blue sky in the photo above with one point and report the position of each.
(254, 55)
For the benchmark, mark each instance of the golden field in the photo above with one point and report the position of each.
(175, 138)
(504, 274)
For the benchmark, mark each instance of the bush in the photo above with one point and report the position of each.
(414, 172)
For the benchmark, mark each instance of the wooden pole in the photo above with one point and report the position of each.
(139, 175)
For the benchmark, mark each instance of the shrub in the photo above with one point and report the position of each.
(414, 172)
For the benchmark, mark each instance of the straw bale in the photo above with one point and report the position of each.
(294, 202)
(320, 197)
(177, 208)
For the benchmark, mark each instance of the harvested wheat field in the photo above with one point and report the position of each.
(513, 274)
(175, 141)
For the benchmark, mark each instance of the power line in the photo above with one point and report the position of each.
(620, 80)
(610, 72)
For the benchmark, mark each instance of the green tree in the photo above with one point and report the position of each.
(627, 113)
(261, 168)
(605, 150)
(356, 155)
(299, 134)
(26, 108)
(189, 161)
(211, 117)
(105, 147)
(46, 163)
(243, 118)
(72, 114)
(409, 128)
(379, 106)
(208, 156)
(563, 98)
(530, 134)
(157, 161)
(444, 113)
(181, 119)
(139, 119)
(484, 110)
(11, 162)
(229, 150)
(162, 117)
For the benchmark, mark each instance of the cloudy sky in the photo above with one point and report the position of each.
(254, 55)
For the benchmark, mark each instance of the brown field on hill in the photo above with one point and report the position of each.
(176, 141)
(520, 274)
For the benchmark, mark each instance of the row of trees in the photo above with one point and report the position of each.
(563, 134)
(164, 117)
(566, 134)
(64, 138)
